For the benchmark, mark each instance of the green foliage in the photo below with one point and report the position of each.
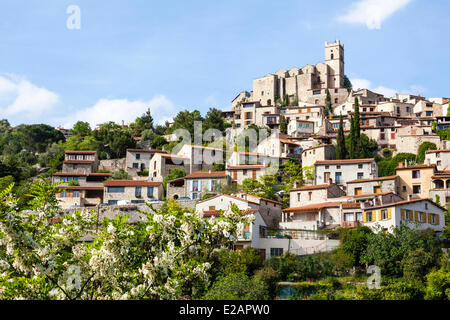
(73, 183)
(121, 175)
(386, 167)
(397, 290)
(237, 286)
(265, 187)
(417, 264)
(218, 167)
(81, 128)
(328, 106)
(341, 149)
(354, 242)
(227, 261)
(348, 83)
(174, 174)
(365, 147)
(448, 109)
(143, 173)
(269, 277)
(388, 250)
(283, 125)
(422, 149)
(438, 283)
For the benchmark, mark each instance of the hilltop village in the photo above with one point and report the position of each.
(318, 124)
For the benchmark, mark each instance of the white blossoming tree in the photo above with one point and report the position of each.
(165, 257)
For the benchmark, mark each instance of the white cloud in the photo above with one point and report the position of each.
(372, 12)
(366, 84)
(387, 92)
(20, 97)
(119, 110)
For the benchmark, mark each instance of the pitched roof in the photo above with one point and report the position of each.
(405, 202)
(79, 161)
(80, 188)
(146, 150)
(69, 174)
(228, 196)
(246, 167)
(132, 183)
(216, 212)
(346, 161)
(201, 174)
(314, 207)
(317, 187)
(373, 179)
(81, 152)
(415, 166)
(436, 151)
(261, 198)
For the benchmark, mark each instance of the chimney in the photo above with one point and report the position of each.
(428, 162)
(406, 163)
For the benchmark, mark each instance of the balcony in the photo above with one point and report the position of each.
(351, 224)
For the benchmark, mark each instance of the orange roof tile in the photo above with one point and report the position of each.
(246, 167)
(132, 183)
(201, 174)
(373, 179)
(345, 161)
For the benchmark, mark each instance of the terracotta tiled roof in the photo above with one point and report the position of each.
(79, 161)
(201, 174)
(314, 207)
(261, 198)
(132, 183)
(351, 205)
(317, 187)
(318, 147)
(146, 150)
(216, 213)
(100, 174)
(80, 152)
(246, 167)
(80, 188)
(173, 156)
(346, 161)
(435, 151)
(373, 179)
(405, 202)
(228, 196)
(416, 166)
(287, 141)
(69, 174)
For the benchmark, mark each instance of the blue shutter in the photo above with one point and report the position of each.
(191, 185)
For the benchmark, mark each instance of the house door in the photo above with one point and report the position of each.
(254, 174)
(235, 175)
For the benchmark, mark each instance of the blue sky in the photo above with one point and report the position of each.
(175, 55)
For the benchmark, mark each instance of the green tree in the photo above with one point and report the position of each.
(422, 149)
(448, 109)
(214, 120)
(237, 286)
(283, 125)
(81, 128)
(354, 242)
(121, 175)
(438, 283)
(341, 150)
(417, 264)
(174, 174)
(328, 106)
(347, 83)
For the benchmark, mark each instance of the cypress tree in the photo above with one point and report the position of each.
(283, 125)
(352, 140)
(357, 129)
(341, 150)
(328, 107)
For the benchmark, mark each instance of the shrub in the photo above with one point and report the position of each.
(417, 264)
(237, 286)
(121, 175)
(270, 278)
(143, 173)
(438, 283)
(73, 183)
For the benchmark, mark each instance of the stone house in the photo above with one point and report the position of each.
(162, 163)
(135, 191)
(320, 153)
(417, 214)
(314, 194)
(300, 128)
(139, 159)
(341, 171)
(201, 158)
(441, 158)
(250, 237)
(80, 161)
(373, 185)
(239, 173)
(415, 180)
